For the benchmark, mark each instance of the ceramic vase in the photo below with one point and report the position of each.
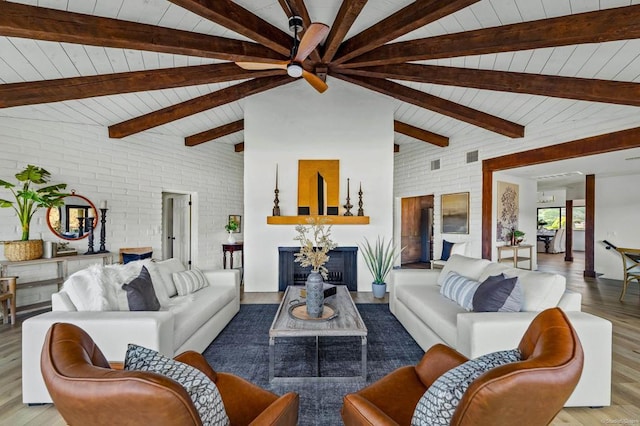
(315, 294)
(379, 290)
(231, 239)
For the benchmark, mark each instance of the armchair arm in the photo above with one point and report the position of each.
(283, 411)
(358, 411)
(196, 360)
(436, 361)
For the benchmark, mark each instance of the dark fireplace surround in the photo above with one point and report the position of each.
(342, 266)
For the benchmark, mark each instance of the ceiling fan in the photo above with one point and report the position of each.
(299, 52)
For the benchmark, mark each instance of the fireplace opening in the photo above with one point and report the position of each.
(342, 266)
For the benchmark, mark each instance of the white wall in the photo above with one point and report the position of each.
(294, 122)
(413, 177)
(617, 207)
(131, 175)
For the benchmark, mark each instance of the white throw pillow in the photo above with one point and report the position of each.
(187, 282)
(164, 269)
(86, 289)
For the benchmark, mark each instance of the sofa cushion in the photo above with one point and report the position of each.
(459, 289)
(438, 313)
(201, 389)
(542, 290)
(189, 281)
(116, 275)
(192, 311)
(140, 293)
(164, 269)
(440, 401)
(466, 266)
(498, 294)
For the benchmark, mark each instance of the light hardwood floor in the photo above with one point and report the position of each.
(600, 297)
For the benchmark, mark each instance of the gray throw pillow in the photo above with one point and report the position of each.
(440, 401)
(203, 392)
(140, 293)
(498, 294)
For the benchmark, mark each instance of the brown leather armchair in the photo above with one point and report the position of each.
(88, 391)
(529, 392)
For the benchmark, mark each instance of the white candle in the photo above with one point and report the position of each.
(92, 213)
(103, 204)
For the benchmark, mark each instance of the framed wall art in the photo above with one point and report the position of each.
(455, 213)
(238, 219)
(507, 209)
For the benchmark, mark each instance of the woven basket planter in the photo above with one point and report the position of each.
(23, 250)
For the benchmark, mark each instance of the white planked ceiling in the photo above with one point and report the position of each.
(24, 60)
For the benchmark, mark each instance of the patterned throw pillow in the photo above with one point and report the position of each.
(189, 281)
(499, 294)
(203, 392)
(459, 289)
(440, 401)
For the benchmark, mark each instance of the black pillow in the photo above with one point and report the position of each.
(140, 293)
(498, 294)
(132, 257)
(446, 250)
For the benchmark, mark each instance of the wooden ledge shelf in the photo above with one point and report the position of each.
(331, 220)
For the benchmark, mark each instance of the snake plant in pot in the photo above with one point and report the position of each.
(379, 259)
(28, 200)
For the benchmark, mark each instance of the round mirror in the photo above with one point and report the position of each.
(72, 220)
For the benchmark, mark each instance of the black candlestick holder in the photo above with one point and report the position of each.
(90, 223)
(81, 226)
(360, 204)
(103, 231)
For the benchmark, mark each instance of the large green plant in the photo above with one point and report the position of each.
(27, 199)
(379, 258)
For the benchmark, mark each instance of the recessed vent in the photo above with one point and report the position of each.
(472, 156)
(435, 164)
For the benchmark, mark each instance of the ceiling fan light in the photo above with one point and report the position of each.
(294, 70)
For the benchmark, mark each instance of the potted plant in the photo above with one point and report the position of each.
(315, 244)
(231, 227)
(516, 237)
(28, 200)
(379, 259)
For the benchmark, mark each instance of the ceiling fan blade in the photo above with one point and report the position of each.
(256, 66)
(315, 81)
(310, 40)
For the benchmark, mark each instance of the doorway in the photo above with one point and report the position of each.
(177, 226)
(416, 230)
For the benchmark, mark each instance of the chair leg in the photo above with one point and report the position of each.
(5, 311)
(625, 283)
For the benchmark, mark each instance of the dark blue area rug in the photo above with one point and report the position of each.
(243, 349)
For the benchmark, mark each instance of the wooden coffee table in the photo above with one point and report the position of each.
(347, 322)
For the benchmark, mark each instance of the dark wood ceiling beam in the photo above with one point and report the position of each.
(38, 23)
(239, 20)
(39, 92)
(298, 8)
(211, 134)
(420, 134)
(614, 92)
(349, 11)
(436, 104)
(239, 147)
(407, 19)
(621, 23)
(196, 105)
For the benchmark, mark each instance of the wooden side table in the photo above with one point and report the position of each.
(231, 248)
(512, 255)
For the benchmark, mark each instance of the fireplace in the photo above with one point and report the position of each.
(342, 266)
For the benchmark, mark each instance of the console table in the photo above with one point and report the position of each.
(231, 248)
(512, 254)
(62, 272)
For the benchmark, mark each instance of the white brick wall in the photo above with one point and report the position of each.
(131, 175)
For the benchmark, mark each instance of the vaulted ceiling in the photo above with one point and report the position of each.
(450, 66)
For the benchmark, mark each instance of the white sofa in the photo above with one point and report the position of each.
(187, 322)
(430, 318)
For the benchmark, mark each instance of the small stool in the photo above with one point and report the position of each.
(8, 298)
